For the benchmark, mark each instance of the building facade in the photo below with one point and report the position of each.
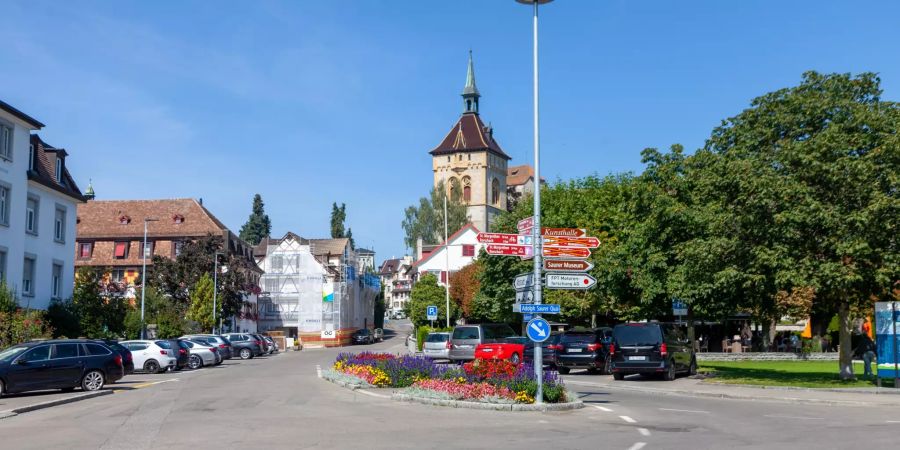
(470, 162)
(519, 183)
(460, 250)
(396, 282)
(38, 201)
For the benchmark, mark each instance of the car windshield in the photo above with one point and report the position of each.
(635, 334)
(578, 337)
(437, 337)
(363, 332)
(164, 344)
(12, 352)
(498, 331)
(465, 333)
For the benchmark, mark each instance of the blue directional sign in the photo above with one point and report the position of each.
(539, 309)
(431, 312)
(538, 330)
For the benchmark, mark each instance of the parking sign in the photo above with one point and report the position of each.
(431, 312)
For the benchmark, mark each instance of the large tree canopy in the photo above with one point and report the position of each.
(426, 221)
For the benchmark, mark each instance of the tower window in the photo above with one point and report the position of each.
(467, 189)
(495, 192)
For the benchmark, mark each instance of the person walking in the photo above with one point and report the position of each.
(866, 349)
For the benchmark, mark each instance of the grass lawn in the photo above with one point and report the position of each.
(812, 374)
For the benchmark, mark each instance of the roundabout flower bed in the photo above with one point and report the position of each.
(488, 381)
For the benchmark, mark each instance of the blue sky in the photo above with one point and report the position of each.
(310, 102)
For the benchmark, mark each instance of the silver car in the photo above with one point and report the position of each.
(466, 337)
(437, 346)
(202, 354)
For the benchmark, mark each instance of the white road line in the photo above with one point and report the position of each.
(363, 391)
(602, 408)
(892, 421)
(628, 419)
(776, 416)
(644, 431)
(637, 446)
(684, 410)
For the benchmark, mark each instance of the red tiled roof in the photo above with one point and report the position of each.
(467, 135)
(99, 219)
(517, 175)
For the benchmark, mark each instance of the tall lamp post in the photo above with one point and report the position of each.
(536, 230)
(215, 286)
(144, 274)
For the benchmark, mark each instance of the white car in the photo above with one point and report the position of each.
(202, 354)
(149, 356)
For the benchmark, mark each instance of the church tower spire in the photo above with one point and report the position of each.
(470, 93)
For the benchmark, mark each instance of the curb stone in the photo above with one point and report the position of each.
(490, 406)
(56, 402)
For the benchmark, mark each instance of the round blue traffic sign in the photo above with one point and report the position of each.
(538, 330)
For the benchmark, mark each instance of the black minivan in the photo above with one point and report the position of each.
(59, 364)
(652, 348)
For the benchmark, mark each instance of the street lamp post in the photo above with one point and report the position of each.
(144, 275)
(536, 230)
(215, 286)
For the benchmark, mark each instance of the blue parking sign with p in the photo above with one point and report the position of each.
(431, 312)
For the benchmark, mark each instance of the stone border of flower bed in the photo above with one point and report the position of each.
(577, 404)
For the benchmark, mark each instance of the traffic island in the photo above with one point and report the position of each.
(481, 384)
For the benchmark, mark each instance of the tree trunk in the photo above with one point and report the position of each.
(768, 333)
(846, 353)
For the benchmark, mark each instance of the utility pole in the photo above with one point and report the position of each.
(144, 275)
(215, 287)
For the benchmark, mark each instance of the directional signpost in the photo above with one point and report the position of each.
(567, 265)
(566, 252)
(543, 308)
(508, 249)
(566, 232)
(503, 238)
(523, 282)
(570, 281)
(538, 330)
(577, 242)
(524, 296)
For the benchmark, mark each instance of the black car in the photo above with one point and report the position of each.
(362, 336)
(652, 348)
(127, 359)
(179, 349)
(245, 345)
(548, 350)
(587, 349)
(59, 364)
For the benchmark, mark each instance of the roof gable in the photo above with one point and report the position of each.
(467, 135)
(451, 239)
(125, 218)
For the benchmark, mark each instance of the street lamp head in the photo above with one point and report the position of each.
(531, 2)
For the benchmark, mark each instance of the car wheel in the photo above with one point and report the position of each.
(246, 353)
(618, 376)
(195, 362)
(670, 372)
(515, 359)
(562, 370)
(92, 381)
(693, 369)
(151, 366)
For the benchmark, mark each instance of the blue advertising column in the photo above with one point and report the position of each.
(887, 316)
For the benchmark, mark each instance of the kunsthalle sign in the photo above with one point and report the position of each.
(887, 337)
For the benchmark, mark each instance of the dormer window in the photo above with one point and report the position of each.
(177, 218)
(59, 166)
(124, 220)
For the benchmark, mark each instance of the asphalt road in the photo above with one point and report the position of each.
(278, 402)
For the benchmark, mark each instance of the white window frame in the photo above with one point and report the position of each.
(4, 254)
(59, 224)
(5, 200)
(32, 215)
(112, 275)
(59, 165)
(6, 140)
(56, 280)
(28, 283)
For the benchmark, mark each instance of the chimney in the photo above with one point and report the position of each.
(418, 249)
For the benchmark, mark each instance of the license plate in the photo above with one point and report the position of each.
(575, 350)
(637, 358)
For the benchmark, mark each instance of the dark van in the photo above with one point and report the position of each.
(652, 348)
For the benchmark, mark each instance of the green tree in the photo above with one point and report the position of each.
(63, 318)
(201, 310)
(338, 217)
(159, 311)
(98, 316)
(426, 221)
(427, 292)
(258, 225)
(8, 303)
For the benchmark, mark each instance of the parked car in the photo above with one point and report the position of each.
(362, 336)
(264, 344)
(652, 348)
(217, 340)
(466, 337)
(202, 354)
(588, 349)
(549, 349)
(151, 356)
(379, 334)
(273, 345)
(59, 364)
(179, 350)
(512, 348)
(245, 345)
(437, 346)
(127, 358)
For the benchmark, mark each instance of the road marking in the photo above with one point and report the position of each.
(143, 385)
(684, 410)
(776, 416)
(637, 446)
(602, 408)
(892, 421)
(363, 391)
(628, 419)
(644, 431)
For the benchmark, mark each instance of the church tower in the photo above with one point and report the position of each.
(471, 162)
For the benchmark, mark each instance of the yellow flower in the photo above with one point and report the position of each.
(523, 397)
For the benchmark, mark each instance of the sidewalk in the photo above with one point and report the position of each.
(697, 388)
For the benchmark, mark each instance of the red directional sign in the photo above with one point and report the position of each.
(566, 252)
(503, 238)
(567, 265)
(507, 250)
(563, 232)
(525, 223)
(586, 242)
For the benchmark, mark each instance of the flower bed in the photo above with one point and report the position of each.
(491, 381)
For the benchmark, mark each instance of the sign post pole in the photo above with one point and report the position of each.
(894, 344)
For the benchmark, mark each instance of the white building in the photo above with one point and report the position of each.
(38, 199)
(463, 248)
(396, 282)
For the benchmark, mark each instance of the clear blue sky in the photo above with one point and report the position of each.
(310, 102)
